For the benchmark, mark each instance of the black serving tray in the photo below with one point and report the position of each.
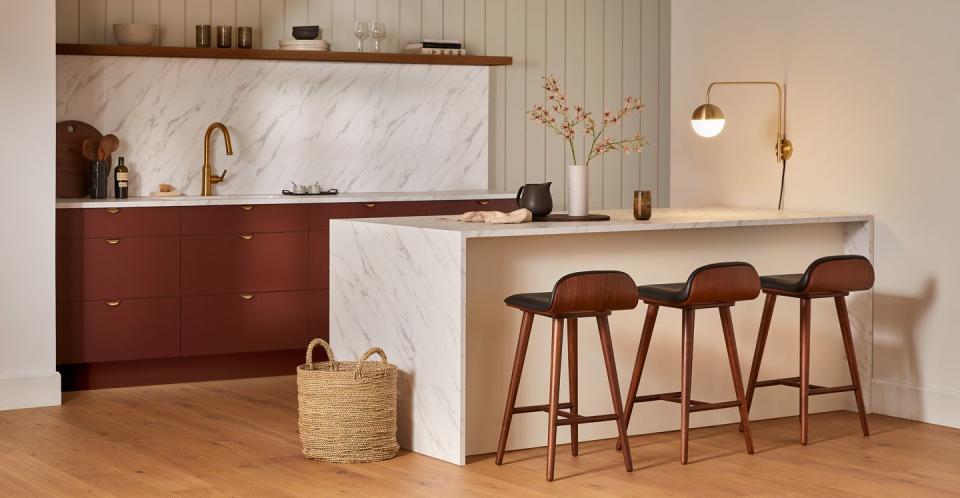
(332, 191)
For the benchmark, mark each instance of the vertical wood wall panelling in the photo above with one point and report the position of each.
(555, 65)
(612, 96)
(514, 119)
(173, 32)
(388, 11)
(535, 69)
(593, 88)
(573, 81)
(431, 23)
(248, 14)
(68, 21)
(495, 42)
(630, 164)
(271, 23)
(118, 11)
(223, 13)
(342, 38)
(600, 50)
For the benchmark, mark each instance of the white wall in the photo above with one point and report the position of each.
(27, 93)
(601, 50)
(872, 105)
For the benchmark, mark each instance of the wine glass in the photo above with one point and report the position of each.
(361, 30)
(378, 31)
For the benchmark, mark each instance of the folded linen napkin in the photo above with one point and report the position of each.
(521, 215)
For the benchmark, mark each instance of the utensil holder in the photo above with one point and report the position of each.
(99, 171)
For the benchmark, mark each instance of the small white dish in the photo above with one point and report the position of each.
(135, 33)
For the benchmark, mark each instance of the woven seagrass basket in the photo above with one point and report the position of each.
(348, 409)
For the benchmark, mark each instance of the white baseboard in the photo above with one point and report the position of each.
(29, 390)
(927, 404)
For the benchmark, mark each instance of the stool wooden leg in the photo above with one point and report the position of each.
(555, 364)
(766, 318)
(804, 368)
(686, 377)
(522, 341)
(572, 381)
(608, 359)
(727, 322)
(844, 316)
(645, 338)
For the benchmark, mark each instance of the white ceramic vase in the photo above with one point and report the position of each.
(577, 190)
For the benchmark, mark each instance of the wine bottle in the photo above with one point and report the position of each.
(121, 181)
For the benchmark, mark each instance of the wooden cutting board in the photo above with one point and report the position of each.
(72, 175)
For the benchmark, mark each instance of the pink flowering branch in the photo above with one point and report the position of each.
(555, 115)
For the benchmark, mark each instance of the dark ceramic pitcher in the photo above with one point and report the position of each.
(536, 197)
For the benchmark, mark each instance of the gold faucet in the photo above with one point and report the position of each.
(208, 177)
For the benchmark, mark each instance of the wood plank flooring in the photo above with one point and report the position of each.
(238, 438)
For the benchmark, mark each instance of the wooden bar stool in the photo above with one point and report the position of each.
(577, 295)
(720, 286)
(831, 276)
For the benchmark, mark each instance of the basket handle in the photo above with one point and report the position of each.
(326, 346)
(358, 370)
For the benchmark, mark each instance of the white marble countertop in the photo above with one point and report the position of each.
(228, 200)
(622, 221)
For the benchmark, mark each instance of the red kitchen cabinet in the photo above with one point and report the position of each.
(261, 218)
(116, 330)
(319, 260)
(319, 316)
(237, 323)
(117, 222)
(321, 214)
(256, 262)
(120, 268)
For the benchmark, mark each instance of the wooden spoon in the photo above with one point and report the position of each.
(108, 145)
(91, 148)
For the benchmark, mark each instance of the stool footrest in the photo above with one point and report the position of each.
(539, 408)
(813, 389)
(581, 419)
(695, 406)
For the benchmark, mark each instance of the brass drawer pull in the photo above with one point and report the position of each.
(246, 296)
(113, 210)
(112, 242)
(246, 208)
(483, 203)
(113, 303)
(246, 237)
(371, 204)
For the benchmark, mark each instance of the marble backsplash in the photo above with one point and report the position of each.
(355, 127)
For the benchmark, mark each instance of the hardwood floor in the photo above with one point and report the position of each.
(238, 438)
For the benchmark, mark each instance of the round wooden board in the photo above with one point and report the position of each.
(72, 168)
(566, 217)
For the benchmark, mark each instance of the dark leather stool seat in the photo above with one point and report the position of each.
(719, 286)
(592, 294)
(831, 276)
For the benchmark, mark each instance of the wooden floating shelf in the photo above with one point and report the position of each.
(281, 55)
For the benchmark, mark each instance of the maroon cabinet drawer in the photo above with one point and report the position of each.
(120, 268)
(319, 260)
(319, 317)
(237, 323)
(220, 264)
(127, 329)
(206, 220)
(437, 208)
(117, 222)
(321, 214)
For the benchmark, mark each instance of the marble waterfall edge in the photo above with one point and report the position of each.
(356, 127)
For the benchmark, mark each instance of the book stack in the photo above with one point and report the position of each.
(435, 47)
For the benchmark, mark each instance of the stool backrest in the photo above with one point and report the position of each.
(844, 273)
(723, 283)
(590, 291)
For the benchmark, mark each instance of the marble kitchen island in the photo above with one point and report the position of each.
(430, 291)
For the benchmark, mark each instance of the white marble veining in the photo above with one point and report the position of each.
(355, 127)
(232, 200)
(401, 284)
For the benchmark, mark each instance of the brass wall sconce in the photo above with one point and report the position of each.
(708, 121)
